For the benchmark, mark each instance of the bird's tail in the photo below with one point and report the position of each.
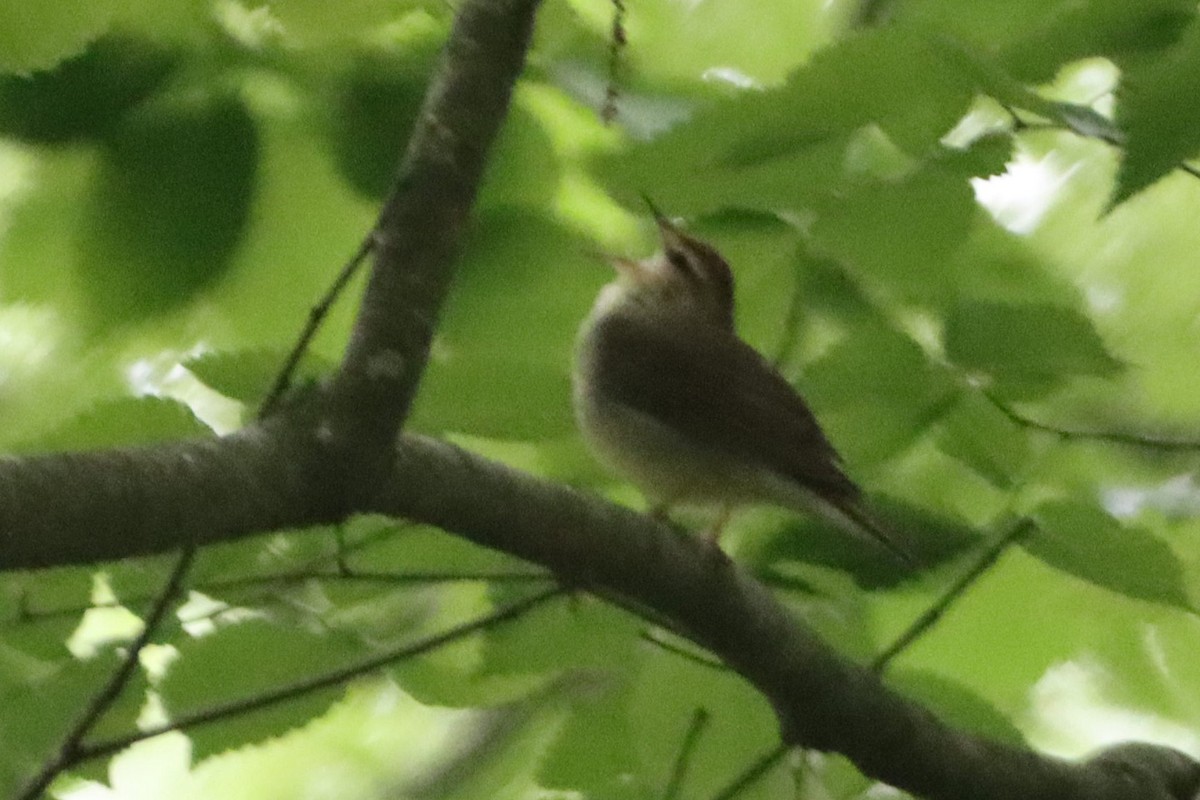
(872, 528)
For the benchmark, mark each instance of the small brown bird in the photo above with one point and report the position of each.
(668, 395)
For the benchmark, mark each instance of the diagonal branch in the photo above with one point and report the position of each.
(417, 237)
(822, 701)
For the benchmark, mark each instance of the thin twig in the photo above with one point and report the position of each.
(753, 773)
(316, 315)
(327, 680)
(72, 748)
(935, 612)
(616, 43)
(686, 750)
(1114, 437)
(683, 652)
(791, 323)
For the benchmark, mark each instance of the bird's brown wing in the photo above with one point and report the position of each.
(710, 386)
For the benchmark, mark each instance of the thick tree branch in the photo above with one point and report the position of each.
(78, 508)
(306, 468)
(823, 701)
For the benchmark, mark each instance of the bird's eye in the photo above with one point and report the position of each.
(679, 261)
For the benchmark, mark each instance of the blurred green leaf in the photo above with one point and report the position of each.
(1084, 541)
(39, 37)
(1157, 114)
(125, 421)
(559, 636)
(981, 436)
(880, 375)
(957, 704)
(39, 713)
(169, 206)
(85, 96)
(1026, 345)
(248, 375)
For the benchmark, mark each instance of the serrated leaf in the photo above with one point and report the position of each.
(84, 96)
(1113, 29)
(1156, 109)
(245, 660)
(38, 715)
(41, 36)
(786, 146)
(247, 375)
(1084, 541)
(1030, 344)
(1033, 38)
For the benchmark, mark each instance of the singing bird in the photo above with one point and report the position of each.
(668, 395)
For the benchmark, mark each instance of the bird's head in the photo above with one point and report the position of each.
(686, 276)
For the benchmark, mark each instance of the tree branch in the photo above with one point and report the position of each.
(823, 701)
(417, 236)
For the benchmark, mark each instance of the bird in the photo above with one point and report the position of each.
(667, 395)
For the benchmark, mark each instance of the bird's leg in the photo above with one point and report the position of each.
(713, 535)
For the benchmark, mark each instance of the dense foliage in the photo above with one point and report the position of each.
(963, 229)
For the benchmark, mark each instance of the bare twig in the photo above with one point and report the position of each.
(316, 315)
(756, 770)
(616, 44)
(936, 611)
(72, 748)
(649, 635)
(1114, 437)
(337, 677)
(686, 750)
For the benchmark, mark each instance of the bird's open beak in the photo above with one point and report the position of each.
(625, 267)
(670, 235)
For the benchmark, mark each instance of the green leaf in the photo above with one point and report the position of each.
(85, 96)
(563, 635)
(38, 37)
(247, 375)
(595, 751)
(1156, 109)
(170, 204)
(784, 147)
(875, 392)
(957, 704)
(247, 660)
(501, 364)
(123, 422)
(1025, 346)
(900, 234)
(314, 22)
(376, 105)
(1033, 38)
(981, 436)
(416, 549)
(1114, 29)
(1084, 541)
(39, 714)
(737, 729)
